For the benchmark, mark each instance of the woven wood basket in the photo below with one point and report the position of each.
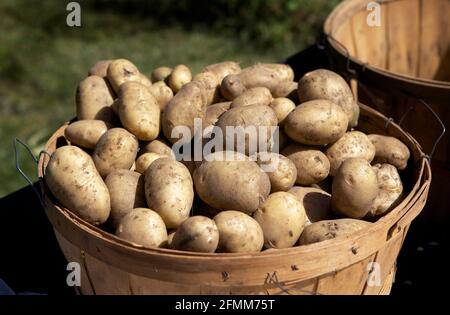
(341, 266)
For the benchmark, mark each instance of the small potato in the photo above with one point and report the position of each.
(145, 160)
(160, 74)
(100, 68)
(85, 133)
(312, 165)
(354, 189)
(282, 107)
(144, 80)
(72, 178)
(238, 232)
(197, 234)
(211, 84)
(214, 111)
(162, 93)
(121, 71)
(317, 122)
(390, 150)
(253, 96)
(116, 149)
(231, 87)
(282, 219)
(139, 111)
(94, 99)
(390, 192)
(328, 85)
(158, 146)
(282, 171)
(317, 203)
(330, 229)
(179, 76)
(126, 189)
(169, 191)
(143, 227)
(222, 69)
(353, 144)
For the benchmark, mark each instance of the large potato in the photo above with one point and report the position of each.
(126, 189)
(325, 84)
(353, 144)
(196, 234)
(72, 178)
(282, 219)
(85, 133)
(160, 74)
(94, 100)
(317, 122)
(330, 229)
(238, 232)
(158, 146)
(100, 68)
(162, 93)
(116, 149)
(222, 69)
(179, 76)
(354, 189)
(312, 165)
(317, 203)
(282, 107)
(253, 96)
(121, 71)
(282, 171)
(231, 183)
(143, 227)
(139, 111)
(169, 191)
(390, 150)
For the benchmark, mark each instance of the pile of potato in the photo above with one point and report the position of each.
(119, 170)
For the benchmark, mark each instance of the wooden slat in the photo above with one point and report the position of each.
(343, 35)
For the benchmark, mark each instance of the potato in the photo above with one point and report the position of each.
(196, 234)
(139, 111)
(282, 107)
(121, 71)
(282, 219)
(145, 160)
(158, 146)
(126, 189)
(100, 68)
(231, 87)
(94, 99)
(214, 111)
(354, 189)
(390, 190)
(143, 227)
(251, 118)
(211, 84)
(282, 171)
(353, 144)
(238, 232)
(233, 182)
(222, 69)
(287, 89)
(116, 149)
(179, 76)
(316, 122)
(144, 80)
(390, 150)
(330, 229)
(72, 178)
(316, 202)
(162, 93)
(312, 165)
(85, 133)
(169, 191)
(325, 84)
(160, 74)
(253, 96)
(170, 238)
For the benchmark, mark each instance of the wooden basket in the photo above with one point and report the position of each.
(402, 64)
(111, 265)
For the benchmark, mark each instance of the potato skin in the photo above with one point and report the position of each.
(162, 93)
(282, 107)
(354, 188)
(222, 69)
(85, 133)
(169, 191)
(72, 178)
(121, 71)
(330, 229)
(282, 171)
(126, 190)
(211, 86)
(243, 185)
(311, 164)
(196, 234)
(179, 76)
(390, 150)
(160, 74)
(100, 68)
(94, 100)
(231, 87)
(143, 227)
(317, 203)
(238, 232)
(282, 219)
(145, 160)
(139, 111)
(316, 122)
(353, 144)
(158, 146)
(214, 111)
(254, 96)
(116, 149)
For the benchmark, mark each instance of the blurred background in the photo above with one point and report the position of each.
(42, 59)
